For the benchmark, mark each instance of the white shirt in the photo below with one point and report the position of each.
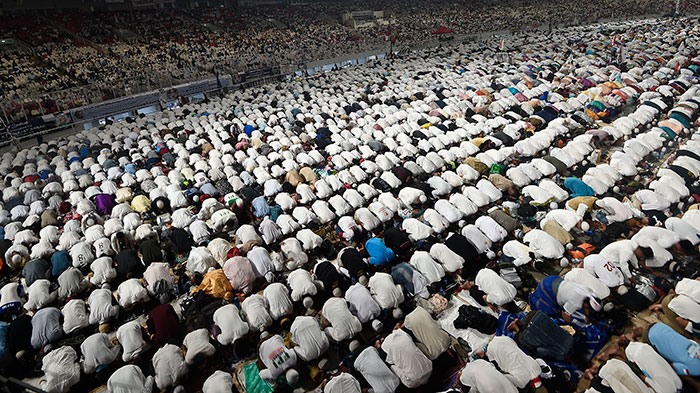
(551, 187)
(218, 382)
(665, 238)
(489, 189)
(361, 303)
(97, 351)
(387, 294)
(276, 357)
(425, 264)
(477, 238)
(498, 291)
(571, 296)
(485, 378)
(131, 340)
(411, 196)
(621, 253)
(291, 247)
(606, 271)
(491, 228)
(448, 211)
(690, 288)
(343, 383)
(618, 375)
(407, 361)
(651, 200)
(519, 251)
(439, 185)
(376, 372)
(683, 229)
(450, 261)
(692, 217)
(354, 198)
(285, 201)
(301, 284)
(437, 222)
(382, 212)
(586, 278)
(287, 224)
(75, 315)
(131, 292)
(229, 321)
(544, 245)
(415, 229)
(518, 367)
(566, 218)
(538, 194)
(659, 374)
(323, 211)
(685, 307)
(344, 325)
(277, 296)
(310, 339)
(616, 210)
(309, 239)
(365, 218)
(129, 379)
(255, 308)
(169, 365)
(463, 203)
(340, 205)
(101, 308)
(303, 215)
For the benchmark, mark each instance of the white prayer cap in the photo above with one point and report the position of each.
(292, 376)
(355, 345)
(308, 302)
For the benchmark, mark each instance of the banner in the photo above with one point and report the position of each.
(259, 74)
(24, 128)
(204, 86)
(119, 105)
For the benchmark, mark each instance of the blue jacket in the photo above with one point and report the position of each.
(379, 253)
(683, 354)
(577, 187)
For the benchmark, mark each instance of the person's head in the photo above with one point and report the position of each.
(478, 295)
(308, 302)
(644, 252)
(292, 376)
(686, 245)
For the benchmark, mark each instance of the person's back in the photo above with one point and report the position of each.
(379, 253)
(129, 379)
(430, 338)
(310, 339)
(682, 353)
(276, 357)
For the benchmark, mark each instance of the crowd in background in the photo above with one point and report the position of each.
(436, 221)
(121, 53)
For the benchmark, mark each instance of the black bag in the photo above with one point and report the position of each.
(472, 317)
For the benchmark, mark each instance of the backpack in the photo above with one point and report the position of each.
(582, 250)
(472, 317)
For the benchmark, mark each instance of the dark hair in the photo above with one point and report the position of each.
(646, 251)
(686, 245)
(511, 307)
(477, 294)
